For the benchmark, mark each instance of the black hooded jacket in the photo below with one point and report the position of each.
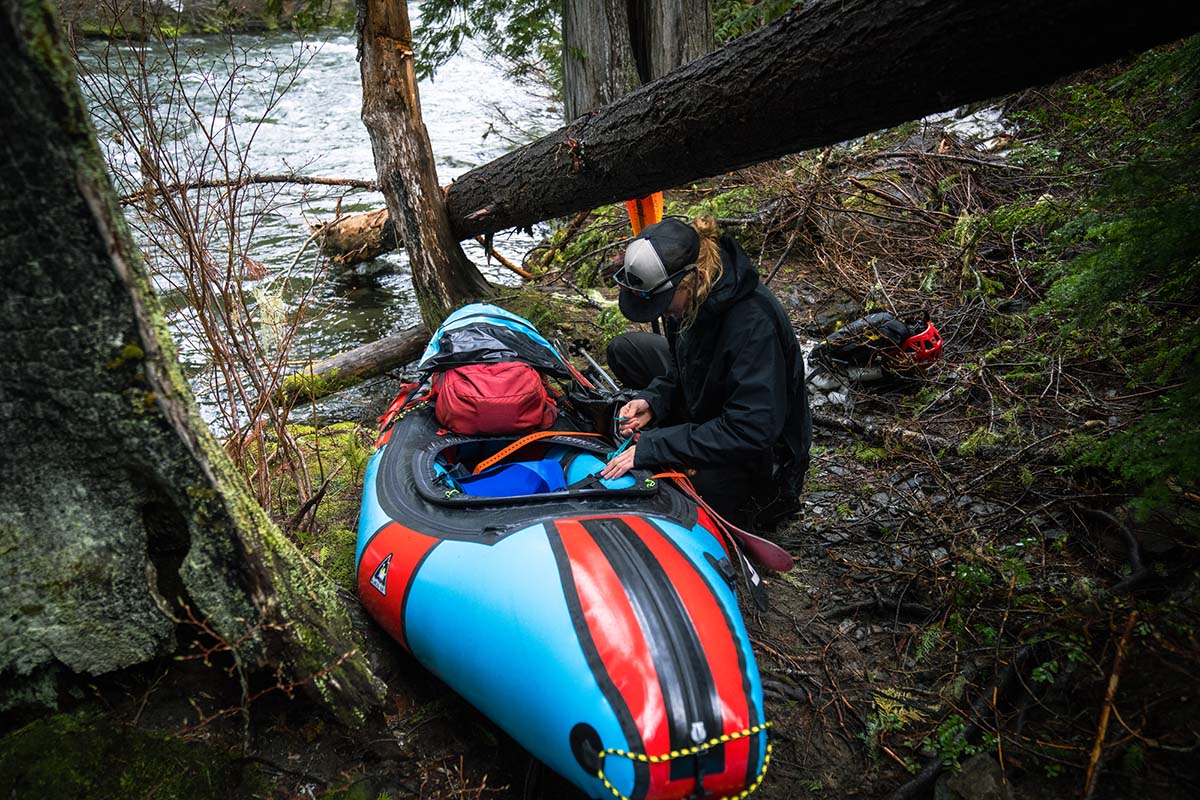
(735, 391)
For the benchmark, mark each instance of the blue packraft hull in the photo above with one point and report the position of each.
(602, 633)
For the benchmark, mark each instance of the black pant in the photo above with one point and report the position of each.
(638, 358)
(734, 490)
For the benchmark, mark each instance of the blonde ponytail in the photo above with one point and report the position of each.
(708, 266)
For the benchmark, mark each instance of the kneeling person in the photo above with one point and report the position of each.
(725, 388)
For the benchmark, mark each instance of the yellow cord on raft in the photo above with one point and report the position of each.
(691, 751)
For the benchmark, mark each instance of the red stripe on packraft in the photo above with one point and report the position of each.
(407, 548)
(720, 647)
(619, 642)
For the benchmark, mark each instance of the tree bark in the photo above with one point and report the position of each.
(120, 513)
(443, 277)
(611, 48)
(597, 60)
(669, 34)
(823, 73)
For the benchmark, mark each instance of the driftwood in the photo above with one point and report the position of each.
(821, 74)
(355, 238)
(355, 366)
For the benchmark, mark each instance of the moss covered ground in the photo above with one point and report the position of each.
(89, 757)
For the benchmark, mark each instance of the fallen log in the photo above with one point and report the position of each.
(823, 73)
(323, 378)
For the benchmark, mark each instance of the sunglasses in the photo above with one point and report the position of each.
(645, 294)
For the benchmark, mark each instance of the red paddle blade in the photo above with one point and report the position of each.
(765, 552)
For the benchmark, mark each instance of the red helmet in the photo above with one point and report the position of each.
(924, 347)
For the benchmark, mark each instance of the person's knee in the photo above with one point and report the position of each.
(637, 358)
(618, 350)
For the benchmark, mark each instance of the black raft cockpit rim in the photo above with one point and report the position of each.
(432, 488)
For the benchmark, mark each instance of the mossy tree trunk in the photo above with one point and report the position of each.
(821, 74)
(119, 510)
(443, 277)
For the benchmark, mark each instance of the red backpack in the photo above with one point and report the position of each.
(493, 399)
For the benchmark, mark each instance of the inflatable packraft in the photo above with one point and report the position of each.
(595, 621)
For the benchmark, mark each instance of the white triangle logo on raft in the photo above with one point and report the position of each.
(379, 578)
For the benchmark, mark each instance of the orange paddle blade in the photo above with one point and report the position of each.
(646, 211)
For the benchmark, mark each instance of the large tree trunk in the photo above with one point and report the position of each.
(670, 33)
(120, 514)
(597, 59)
(823, 73)
(612, 47)
(443, 277)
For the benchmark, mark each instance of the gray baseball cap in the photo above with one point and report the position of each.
(655, 262)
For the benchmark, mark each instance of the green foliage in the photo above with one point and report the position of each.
(893, 711)
(927, 643)
(734, 18)
(949, 742)
(612, 323)
(737, 202)
(313, 14)
(870, 455)
(1045, 672)
(1131, 275)
(584, 251)
(974, 579)
(336, 555)
(525, 36)
(1068, 647)
(981, 437)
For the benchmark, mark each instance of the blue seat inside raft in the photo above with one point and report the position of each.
(516, 479)
(586, 464)
(523, 478)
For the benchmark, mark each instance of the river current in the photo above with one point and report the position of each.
(472, 111)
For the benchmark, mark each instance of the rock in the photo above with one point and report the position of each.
(881, 499)
(840, 311)
(979, 779)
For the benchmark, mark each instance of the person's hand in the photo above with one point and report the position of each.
(619, 465)
(634, 416)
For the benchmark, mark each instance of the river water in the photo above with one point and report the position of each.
(473, 114)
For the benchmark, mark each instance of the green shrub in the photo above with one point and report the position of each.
(1128, 281)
